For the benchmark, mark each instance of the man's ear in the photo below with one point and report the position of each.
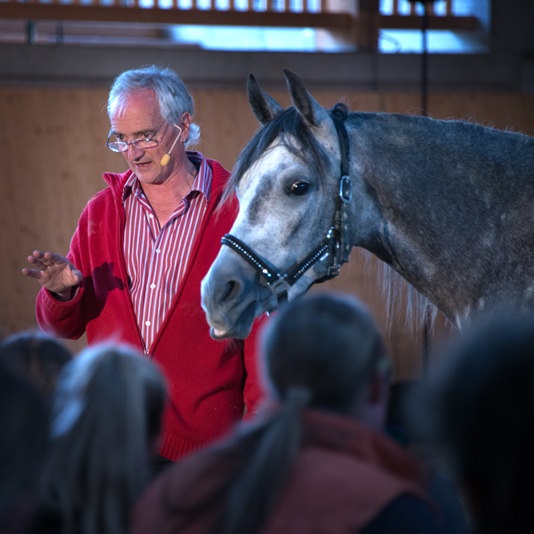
(185, 121)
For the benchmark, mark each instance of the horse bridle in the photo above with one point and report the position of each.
(336, 244)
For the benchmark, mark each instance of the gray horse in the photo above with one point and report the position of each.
(447, 204)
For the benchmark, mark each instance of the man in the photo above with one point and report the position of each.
(139, 253)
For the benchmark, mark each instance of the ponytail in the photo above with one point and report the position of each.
(269, 451)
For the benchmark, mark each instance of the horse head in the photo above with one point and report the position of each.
(292, 184)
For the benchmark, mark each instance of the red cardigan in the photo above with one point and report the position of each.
(210, 381)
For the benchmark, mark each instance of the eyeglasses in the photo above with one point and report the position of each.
(145, 140)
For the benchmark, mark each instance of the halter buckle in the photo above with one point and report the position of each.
(279, 288)
(345, 189)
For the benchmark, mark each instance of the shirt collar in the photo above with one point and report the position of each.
(203, 179)
(201, 183)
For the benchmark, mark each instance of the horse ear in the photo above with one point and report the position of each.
(264, 107)
(307, 106)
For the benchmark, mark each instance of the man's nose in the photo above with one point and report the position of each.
(134, 152)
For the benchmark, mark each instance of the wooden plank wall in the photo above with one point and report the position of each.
(52, 149)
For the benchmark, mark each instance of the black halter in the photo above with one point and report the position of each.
(336, 244)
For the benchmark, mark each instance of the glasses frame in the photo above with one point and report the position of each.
(126, 144)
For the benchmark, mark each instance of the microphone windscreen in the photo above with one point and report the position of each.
(164, 161)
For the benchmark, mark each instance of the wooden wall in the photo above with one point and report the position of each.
(52, 153)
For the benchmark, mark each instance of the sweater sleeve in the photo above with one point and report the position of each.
(101, 307)
(64, 319)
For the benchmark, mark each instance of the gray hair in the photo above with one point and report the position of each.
(171, 92)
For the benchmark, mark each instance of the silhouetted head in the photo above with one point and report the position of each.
(107, 415)
(24, 423)
(476, 410)
(326, 343)
(37, 356)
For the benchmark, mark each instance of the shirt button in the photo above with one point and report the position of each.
(150, 215)
(152, 286)
(147, 323)
(158, 251)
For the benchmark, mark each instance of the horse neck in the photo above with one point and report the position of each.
(433, 189)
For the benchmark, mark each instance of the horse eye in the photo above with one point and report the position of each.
(299, 188)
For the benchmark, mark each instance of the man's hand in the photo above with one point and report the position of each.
(54, 272)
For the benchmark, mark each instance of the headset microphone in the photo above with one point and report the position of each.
(164, 161)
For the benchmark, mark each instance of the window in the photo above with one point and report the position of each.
(456, 26)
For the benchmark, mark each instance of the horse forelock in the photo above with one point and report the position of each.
(290, 129)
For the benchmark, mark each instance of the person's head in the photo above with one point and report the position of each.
(476, 411)
(322, 351)
(106, 422)
(329, 345)
(153, 106)
(24, 423)
(37, 356)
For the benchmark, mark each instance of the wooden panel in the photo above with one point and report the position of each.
(434, 22)
(52, 146)
(53, 150)
(493, 109)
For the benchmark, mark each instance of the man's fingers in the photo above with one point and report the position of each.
(46, 259)
(32, 273)
(36, 261)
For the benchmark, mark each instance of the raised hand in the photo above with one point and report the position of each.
(54, 272)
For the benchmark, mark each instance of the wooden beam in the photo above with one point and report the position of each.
(435, 22)
(338, 21)
(367, 30)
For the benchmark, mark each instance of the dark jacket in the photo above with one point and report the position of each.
(346, 476)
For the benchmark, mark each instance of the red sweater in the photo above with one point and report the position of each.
(210, 381)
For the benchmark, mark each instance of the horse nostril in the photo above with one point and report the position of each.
(229, 290)
(218, 290)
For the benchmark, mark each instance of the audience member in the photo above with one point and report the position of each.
(24, 423)
(105, 429)
(317, 458)
(475, 412)
(37, 356)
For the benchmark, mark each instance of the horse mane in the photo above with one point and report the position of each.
(288, 126)
(401, 299)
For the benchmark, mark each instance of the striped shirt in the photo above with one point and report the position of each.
(157, 258)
